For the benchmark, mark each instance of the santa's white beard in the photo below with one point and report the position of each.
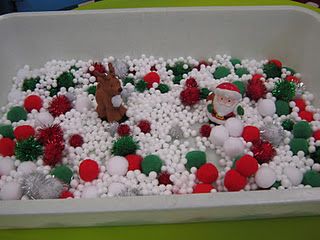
(222, 109)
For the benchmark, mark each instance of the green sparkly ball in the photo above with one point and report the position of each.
(66, 80)
(177, 79)
(178, 69)
(6, 131)
(151, 163)
(141, 86)
(302, 129)
(240, 86)
(272, 70)
(92, 90)
(124, 146)
(53, 91)
(311, 178)
(30, 84)
(204, 93)
(16, 114)
(282, 107)
(221, 72)
(28, 150)
(163, 88)
(235, 61)
(195, 159)
(287, 124)
(284, 90)
(128, 80)
(241, 71)
(316, 155)
(63, 172)
(299, 144)
(240, 111)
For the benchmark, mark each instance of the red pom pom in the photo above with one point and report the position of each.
(247, 165)
(191, 82)
(202, 62)
(305, 115)
(293, 79)
(98, 67)
(23, 132)
(276, 62)
(32, 102)
(256, 77)
(263, 151)
(7, 147)
(202, 188)
(251, 134)
(134, 162)
(205, 130)
(52, 134)
(234, 181)
(190, 96)
(256, 89)
(164, 178)
(150, 78)
(300, 103)
(123, 130)
(59, 105)
(207, 173)
(88, 170)
(66, 194)
(53, 153)
(316, 135)
(145, 126)
(76, 140)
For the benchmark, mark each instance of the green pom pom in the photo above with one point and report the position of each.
(128, 80)
(311, 178)
(276, 184)
(204, 93)
(178, 69)
(74, 68)
(299, 144)
(92, 90)
(235, 61)
(241, 71)
(16, 114)
(221, 72)
(28, 150)
(141, 86)
(151, 163)
(124, 146)
(287, 124)
(195, 159)
(302, 129)
(240, 111)
(6, 131)
(272, 70)
(163, 88)
(30, 84)
(240, 86)
(316, 155)
(53, 91)
(63, 173)
(290, 69)
(177, 79)
(66, 80)
(282, 107)
(284, 90)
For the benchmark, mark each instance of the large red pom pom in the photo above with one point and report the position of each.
(205, 130)
(59, 105)
(98, 67)
(202, 188)
(276, 62)
(306, 115)
(23, 132)
(66, 194)
(316, 135)
(88, 170)
(191, 82)
(300, 103)
(123, 130)
(293, 79)
(32, 102)
(247, 165)
(164, 178)
(52, 134)
(256, 89)
(234, 181)
(151, 78)
(145, 126)
(76, 140)
(207, 173)
(53, 153)
(7, 147)
(251, 134)
(134, 162)
(263, 151)
(190, 96)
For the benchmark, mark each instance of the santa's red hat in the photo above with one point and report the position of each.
(229, 90)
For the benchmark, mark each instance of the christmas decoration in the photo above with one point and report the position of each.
(145, 126)
(179, 68)
(265, 177)
(6, 166)
(44, 119)
(299, 144)
(30, 84)
(121, 68)
(16, 114)
(190, 96)
(282, 108)
(234, 127)
(241, 71)
(53, 153)
(52, 134)
(207, 173)
(63, 172)
(195, 159)
(141, 86)
(302, 129)
(284, 90)
(28, 150)
(151, 78)
(163, 88)
(240, 85)
(246, 165)
(205, 130)
(124, 146)
(233, 147)
(272, 70)
(263, 151)
(10, 191)
(202, 188)
(221, 72)
(204, 93)
(151, 163)
(76, 140)
(256, 88)
(175, 132)
(7, 147)
(306, 115)
(117, 166)
(316, 135)
(164, 178)
(92, 90)
(287, 124)
(82, 104)
(134, 162)
(33, 102)
(123, 130)
(311, 178)
(234, 181)
(59, 105)
(6, 130)
(235, 61)
(26, 167)
(219, 135)
(191, 82)
(272, 133)
(294, 175)
(88, 170)
(65, 80)
(127, 80)
(23, 132)
(300, 103)
(99, 67)
(266, 107)
(66, 194)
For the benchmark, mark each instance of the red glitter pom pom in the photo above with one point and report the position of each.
(316, 135)
(76, 140)
(293, 79)
(202, 188)
(53, 153)
(305, 115)
(66, 194)
(23, 132)
(234, 181)
(123, 130)
(88, 170)
(59, 105)
(256, 89)
(251, 134)
(191, 82)
(190, 96)
(207, 173)
(263, 151)
(164, 178)
(32, 102)
(150, 78)
(52, 134)
(276, 62)
(134, 162)
(205, 130)
(300, 103)
(247, 165)
(98, 67)
(145, 126)
(7, 147)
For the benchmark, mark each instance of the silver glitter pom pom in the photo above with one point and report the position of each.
(272, 133)
(112, 128)
(121, 68)
(176, 132)
(300, 89)
(37, 185)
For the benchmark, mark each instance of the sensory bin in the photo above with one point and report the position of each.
(192, 126)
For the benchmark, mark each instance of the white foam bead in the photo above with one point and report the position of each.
(90, 192)
(294, 175)
(265, 177)
(11, 191)
(82, 104)
(266, 107)
(219, 135)
(44, 119)
(233, 147)
(234, 127)
(117, 166)
(26, 167)
(6, 165)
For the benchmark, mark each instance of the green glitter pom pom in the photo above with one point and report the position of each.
(6, 131)
(316, 155)
(282, 107)
(178, 69)
(241, 71)
(221, 72)
(53, 91)
(240, 86)
(16, 114)
(311, 178)
(272, 70)
(63, 172)
(92, 90)
(124, 146)
(302, 129)
(299, 144)
(284, 90)
(235, 61)
(141, 86)
(151, 163)
(28, 150)
(65, 80)
(177, 79)
(195, 159)
(204, 93)
(128, 80)
(240, 111)
(163, 88)
(30, 84)
(287, 124)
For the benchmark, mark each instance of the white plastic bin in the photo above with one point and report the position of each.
(288, 33)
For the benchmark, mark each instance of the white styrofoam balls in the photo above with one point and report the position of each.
(15, 96)
(10, 191)
(44, 119)
(82, 104)
(266, 107)
(265, 177)
(117, 166)
(294, 175)
(116, 188)
(219, 135)
(90, 192)
(234, 127)
(26, 167)
(233, 147)
(6, 165)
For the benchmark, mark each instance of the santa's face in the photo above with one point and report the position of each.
(224, 105)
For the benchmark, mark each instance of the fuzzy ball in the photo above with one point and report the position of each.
(299, 144)
(88, 170)
(202, 188)
(293, 79)
(263, 151)
(190, 96)
(311, 178)
(134, 162)
(66, 194)
(294, 175)
(287, 124)
(251, 134)
(300, 103)
(7, 147)
(221, 72)
(59, 105)
(65, 80)
(26, 167)
(302, 129)
(6, 166)
(282, 107)
(116, 189)
(16, 114)
(120, 68)
(44, 119)
(63, 172)
(256, 88)
(145, 126)
(195, 159)
(233, 147)
(151, 163)
(123, 130)
(53, 153)
(32, 102)
(98, 67)
(241, 71)
(117, 166)
(191, 82)
(124, 146)
(82, 104)
(163, 88)
(265, 177)
(207, 173)
(284, 90)
(205, 130)
(306, 115)
(164, 178)
(151, 78)
(176, 132)
(316, 135)
(234, 181)
(51, 134)
(272, 133)
(24, 132)
(234, 127)
(6, 130)
(219, 135)
(90, 192)
(246, 165)
(10, 191)
(266, 107)
(30, 84)
(76, 140)
(272, 70)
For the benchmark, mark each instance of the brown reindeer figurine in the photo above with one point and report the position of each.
(108, 97)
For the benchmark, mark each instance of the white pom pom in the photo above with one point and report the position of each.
(218, 135)
(11, 191)
(265, 177)
(6, 165)
(116, 100)
(15, 96)
(26, 167)
(89, 192)
(44, 119)
(294, 175)
(266, 107)
(234, 127)
(233, 147)
(116, 188)
(117, 166)
(82, 103)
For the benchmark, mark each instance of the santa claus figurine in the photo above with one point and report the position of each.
(222, 103)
